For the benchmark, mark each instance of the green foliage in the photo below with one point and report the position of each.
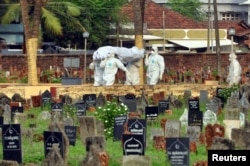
(226, 92)
(192, 8)
(107, 114)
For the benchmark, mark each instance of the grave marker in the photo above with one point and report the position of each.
(119, 123)
(163, 105)
(151, 112)
(70, 131)
(81, 108)
(133, 144)
(57, 107)
(130, 101)
(46, 98)
(90, 100)
(178, 151)
(50, 138)
(193, 105)
(138, 126)
(203, 96)
(173, 128)
(16, 109)
(195, 118)
(12, 144)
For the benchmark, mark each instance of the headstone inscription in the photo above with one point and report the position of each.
(195, 118)
(151, 112)
(163, 105)
(193, 105)
(130, 101)
(70, 131)
(138, 126)
(53, 138)
(133, 144)
(57, 107)
(80, 108)
(119, 123)
(16, 109)
(90, 100)
(12, 144)
(178, 151)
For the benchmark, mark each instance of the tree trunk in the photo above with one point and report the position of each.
(138, 8)
(31, 58)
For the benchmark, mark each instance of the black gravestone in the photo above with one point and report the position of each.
(163, 105)
(248, 74)
(130, 101)
(46, 97)
(51, 138)
(81, 108)
(195, 118)
(119, 123)
(193, 105)
(138, 126)
(1, 121)
(178, 151)
(90, 100)
(15, 109)
(71, 133)
(12, 144)
(151, 112)
(133, 144)
(57, 107)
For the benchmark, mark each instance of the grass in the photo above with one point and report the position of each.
(33, 152)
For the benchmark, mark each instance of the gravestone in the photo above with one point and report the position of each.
(214, 105)
(193, 105)
(220, 143)
(87, 126)
(53, 138)
(133, 144)
(173, 128)
(163, 106)
(19, 118)
(141, 103)
(193, 132)
(57, 107)
(7, 114)
(156, 132)
(53, 157)
(209, 117)
(15, 109)
(229, 125)
(138, 126)
(130, 101)
(184, 118)
(135, 160)
(46, 99)
(80, 108)
(186, 96)
(151, 113)
(100, 127)
(70, 131)
(195, 118)
(119, 123)
(1, 121)
(178, 151)
(242, 119)
(100, 100)
(241, 138)
(203, 99)
(12, 144)
(90, 100)
(97, 141)
(232, 114)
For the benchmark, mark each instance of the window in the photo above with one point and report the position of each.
(230, 16)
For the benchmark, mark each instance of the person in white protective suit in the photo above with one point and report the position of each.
(234, 75)
(98, 72)
(155, 67)
(133, 68)
(110, 66)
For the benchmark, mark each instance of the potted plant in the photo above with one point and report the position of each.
(188, 74)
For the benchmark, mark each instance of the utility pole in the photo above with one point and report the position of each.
(208, 22)
(217, 38)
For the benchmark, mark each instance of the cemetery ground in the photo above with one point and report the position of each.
(33, 145)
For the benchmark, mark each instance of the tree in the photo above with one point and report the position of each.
(189, 8)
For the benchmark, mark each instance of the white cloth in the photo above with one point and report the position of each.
(98, 73)
(133, 69)
(111, 65)
(155, 67)
(234, 75)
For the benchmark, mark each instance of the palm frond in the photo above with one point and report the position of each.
(51, 22)
(13, 12)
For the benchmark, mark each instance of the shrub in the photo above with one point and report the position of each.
(226, 92)
(107, 114)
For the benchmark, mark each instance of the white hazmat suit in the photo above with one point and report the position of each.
(155, 67)
(133, 68)
(98, 72)
(110, 66)
(234, 75)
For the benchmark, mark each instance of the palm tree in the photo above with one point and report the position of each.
(34, 12)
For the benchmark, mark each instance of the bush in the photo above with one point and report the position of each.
(226, 92)
(107, 114)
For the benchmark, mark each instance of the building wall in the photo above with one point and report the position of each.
(173, 61)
